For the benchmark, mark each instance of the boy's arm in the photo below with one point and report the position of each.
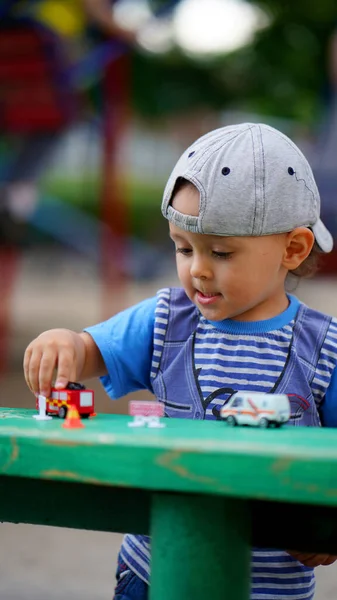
(93, 365)
(328, 407)
(120, 349)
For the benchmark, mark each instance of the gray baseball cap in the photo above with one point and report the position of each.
(253, 180)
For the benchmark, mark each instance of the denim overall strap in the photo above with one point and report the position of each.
(309, 333)
(175, 382)
(183, 318)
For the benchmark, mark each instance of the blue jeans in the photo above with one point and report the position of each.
(129, 585)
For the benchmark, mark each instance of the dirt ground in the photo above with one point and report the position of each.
(58, 289)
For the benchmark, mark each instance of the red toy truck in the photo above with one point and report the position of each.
(75, 393)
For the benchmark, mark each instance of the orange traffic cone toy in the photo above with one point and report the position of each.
(73, 419)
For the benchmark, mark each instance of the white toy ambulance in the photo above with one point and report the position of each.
(262, 410)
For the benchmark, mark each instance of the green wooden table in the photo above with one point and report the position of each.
(199, 488)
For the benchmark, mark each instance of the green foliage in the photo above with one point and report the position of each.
(284, 72)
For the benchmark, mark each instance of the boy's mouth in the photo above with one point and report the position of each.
(206, 299)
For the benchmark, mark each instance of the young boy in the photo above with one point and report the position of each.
(243, 212)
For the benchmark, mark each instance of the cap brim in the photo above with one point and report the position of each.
(323, 237)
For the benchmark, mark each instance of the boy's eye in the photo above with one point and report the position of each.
(184, 251)
(222, 254)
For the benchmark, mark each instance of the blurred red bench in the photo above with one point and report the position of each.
(35, 94)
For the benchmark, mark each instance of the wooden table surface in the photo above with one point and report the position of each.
(244, 485)
(293, 464)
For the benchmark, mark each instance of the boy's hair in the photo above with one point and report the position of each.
(308, 268)
(252, 181)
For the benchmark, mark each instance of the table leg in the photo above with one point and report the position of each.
(200, 548)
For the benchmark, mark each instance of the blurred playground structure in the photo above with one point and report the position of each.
(53, 55)
(98, 98)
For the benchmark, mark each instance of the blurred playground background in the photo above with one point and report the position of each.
(97, 101)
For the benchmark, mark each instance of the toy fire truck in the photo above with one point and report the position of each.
(75, 393)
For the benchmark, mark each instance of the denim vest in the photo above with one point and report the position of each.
(175, 382)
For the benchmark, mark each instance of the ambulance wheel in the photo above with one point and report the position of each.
(62, 412)
(264, 423)
(231, 421)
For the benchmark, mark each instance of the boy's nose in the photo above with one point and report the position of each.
(200, 268)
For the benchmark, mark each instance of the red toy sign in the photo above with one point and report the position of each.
(146, 413)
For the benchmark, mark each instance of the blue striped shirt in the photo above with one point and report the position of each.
(227, 354)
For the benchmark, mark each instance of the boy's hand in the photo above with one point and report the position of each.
(59, 349)
(313, 560)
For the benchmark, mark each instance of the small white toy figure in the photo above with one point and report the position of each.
(146, 413)
(42, 416)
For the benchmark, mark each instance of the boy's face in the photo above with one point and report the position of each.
(240, 278)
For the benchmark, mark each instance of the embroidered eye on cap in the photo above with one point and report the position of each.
(253, 180)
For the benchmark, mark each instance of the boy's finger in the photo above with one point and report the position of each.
(47, 366)
(33, 369)
(330, 560)
(300, 555)
(26, 362)
(315, 560)
(65, 369)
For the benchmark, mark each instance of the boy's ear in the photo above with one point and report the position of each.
(299, 243)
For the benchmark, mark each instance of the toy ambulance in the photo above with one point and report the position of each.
(75, 393)
(262, 410)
